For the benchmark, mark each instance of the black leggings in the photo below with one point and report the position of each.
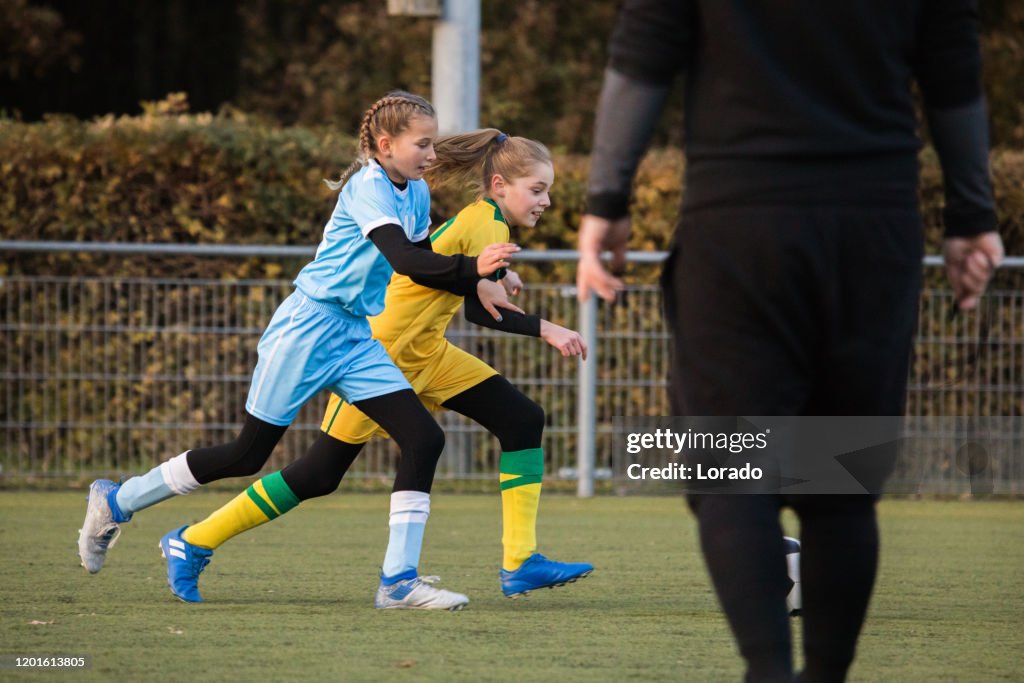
(741, 538)
(242, 457)
(792, 312)
(495, 404)
(400, 413)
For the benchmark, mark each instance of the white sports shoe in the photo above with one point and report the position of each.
(418, 593)
(99, 532)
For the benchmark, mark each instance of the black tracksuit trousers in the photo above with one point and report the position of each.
(792, 311)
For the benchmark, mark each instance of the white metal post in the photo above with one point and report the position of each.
(456, 70)
(586, 412)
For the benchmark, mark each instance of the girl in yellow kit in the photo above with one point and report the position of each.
(513, 176)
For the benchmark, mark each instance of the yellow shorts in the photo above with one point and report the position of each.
(448, 373)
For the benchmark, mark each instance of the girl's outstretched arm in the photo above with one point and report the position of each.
(457, 274)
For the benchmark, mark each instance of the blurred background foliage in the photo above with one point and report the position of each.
(167, 175)
(190, 121)
(316, 64)
(215, 121)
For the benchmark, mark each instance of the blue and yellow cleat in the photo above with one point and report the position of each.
(185, 562)
(540, 572)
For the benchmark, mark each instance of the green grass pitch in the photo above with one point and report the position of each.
(293, 600)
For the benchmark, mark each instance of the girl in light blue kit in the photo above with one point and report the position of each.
(319, 338)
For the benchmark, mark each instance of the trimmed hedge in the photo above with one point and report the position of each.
(167, 176)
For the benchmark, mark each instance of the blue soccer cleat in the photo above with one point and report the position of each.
(185, 562)
(540, 572)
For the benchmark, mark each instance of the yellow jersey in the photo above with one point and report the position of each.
(412, 325)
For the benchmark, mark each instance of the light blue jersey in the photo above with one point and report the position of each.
(319, 337)
(348, 269)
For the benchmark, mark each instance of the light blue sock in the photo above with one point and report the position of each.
(403, 555)
(168, 479)
(409, 512)
(141, 492)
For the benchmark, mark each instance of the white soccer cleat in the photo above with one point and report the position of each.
(418, 593)
(99, 532)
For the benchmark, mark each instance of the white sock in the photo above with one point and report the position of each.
(408, 521)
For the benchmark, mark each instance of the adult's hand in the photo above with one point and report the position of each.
(970, 264)
(596, 235)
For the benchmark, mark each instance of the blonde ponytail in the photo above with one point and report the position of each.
(472, 159)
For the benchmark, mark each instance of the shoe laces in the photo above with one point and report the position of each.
(427, 580)
(109, 536)
(199, 563)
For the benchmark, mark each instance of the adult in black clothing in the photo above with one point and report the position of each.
(793, 280)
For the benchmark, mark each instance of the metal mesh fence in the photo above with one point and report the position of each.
(113, 375)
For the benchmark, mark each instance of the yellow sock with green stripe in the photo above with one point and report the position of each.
(266, 499)
(520, 474)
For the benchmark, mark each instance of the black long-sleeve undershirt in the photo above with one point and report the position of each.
(511, 321)
(456, 274)
(800, 107)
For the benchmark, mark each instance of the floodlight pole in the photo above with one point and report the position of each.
(456, 69)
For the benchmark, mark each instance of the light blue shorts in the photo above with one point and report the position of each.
(313, 345)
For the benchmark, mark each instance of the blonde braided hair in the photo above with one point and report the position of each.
(390, 115)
